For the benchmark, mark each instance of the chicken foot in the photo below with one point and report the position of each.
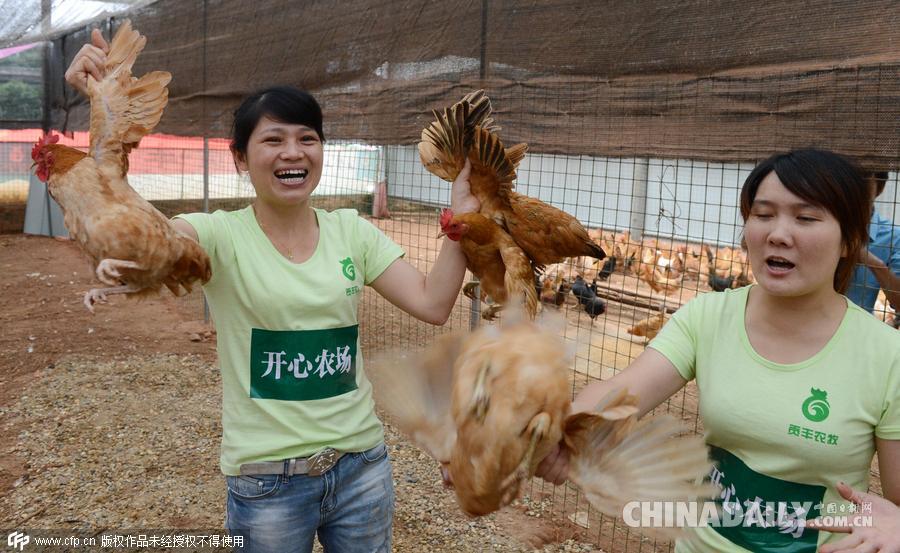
(98, 295)
(538, 428)
(469, 290)
(490, 313)
(109, 270)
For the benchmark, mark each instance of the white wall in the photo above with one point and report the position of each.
(686, 200)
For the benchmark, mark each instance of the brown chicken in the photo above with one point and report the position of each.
(553, 291)
(650, 327)
(656, 280)
(490, 405)
(546, 234)
(134, 248)
(503, 270)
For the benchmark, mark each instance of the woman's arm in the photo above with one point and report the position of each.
(881, 531)
(430, 298)
(887, 279)
(186, 228)
(651, 377)
(889, 468)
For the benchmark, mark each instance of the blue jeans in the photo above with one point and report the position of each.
(350, 507)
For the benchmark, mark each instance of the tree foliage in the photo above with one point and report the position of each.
(20, 101)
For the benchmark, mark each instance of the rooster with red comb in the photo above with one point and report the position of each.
(134, 249)
(502, 268)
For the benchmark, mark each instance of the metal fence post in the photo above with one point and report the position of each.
(639, 199)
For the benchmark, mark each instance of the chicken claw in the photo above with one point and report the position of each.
(469, 290)
(99, 295)
(490, 313)
(109, 270)
(538, 428)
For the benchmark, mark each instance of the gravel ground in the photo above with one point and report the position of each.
(111, 421)
(133, 443)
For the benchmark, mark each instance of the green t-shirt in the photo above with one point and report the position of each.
(781, 433)
(288, 341)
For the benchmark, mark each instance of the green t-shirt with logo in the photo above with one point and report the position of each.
(287, 336)
(783, 435)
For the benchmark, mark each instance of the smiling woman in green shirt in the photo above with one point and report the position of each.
(302, 450)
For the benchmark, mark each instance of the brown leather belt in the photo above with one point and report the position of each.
(314, 465)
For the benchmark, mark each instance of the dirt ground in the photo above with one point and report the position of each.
(112, 421)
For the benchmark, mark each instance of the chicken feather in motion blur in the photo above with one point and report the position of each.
(134, 248)
(491, 404)
(546, 234)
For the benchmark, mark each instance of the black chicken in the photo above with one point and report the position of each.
(717, 283)
(587, 297)
(608, 267)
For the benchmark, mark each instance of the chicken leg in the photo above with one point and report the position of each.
(469, 290)
(490, 313)
(96, 295)
(109, 270)
(538, 428)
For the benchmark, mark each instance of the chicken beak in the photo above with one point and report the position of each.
(441, 234)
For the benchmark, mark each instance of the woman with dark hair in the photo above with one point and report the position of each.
(302, 450)
(799, 387)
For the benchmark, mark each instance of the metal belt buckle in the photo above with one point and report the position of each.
(321, 462)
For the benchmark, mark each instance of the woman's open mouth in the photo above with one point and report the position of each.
(291, 177)
(778, 265)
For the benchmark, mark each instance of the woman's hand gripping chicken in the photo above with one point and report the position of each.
(546, 234)
(134, 248)
(503, 269)
(490, 405)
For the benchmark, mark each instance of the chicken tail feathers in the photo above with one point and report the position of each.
(193, 265)
(595, 250)
(617, 459)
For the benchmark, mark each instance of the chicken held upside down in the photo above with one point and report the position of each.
(491, 404)
(133, 247)
(502, 268)
(546, 234)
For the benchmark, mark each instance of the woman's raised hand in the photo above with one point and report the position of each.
(90, 60)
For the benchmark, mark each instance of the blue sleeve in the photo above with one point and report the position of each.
(894, 263)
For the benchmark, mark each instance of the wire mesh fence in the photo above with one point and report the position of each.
(672, 225)
(669, 220)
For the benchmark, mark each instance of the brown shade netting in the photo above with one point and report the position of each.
(714, 80)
